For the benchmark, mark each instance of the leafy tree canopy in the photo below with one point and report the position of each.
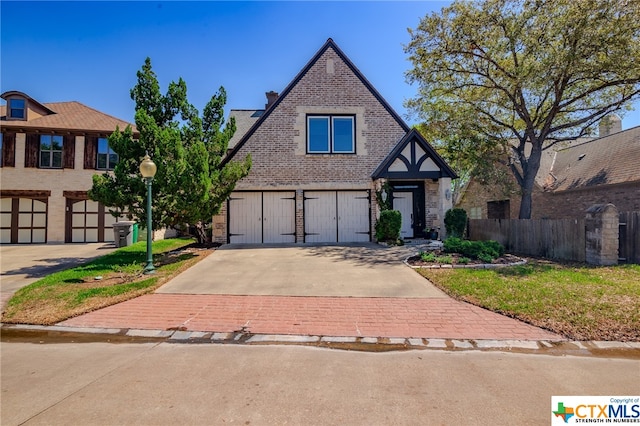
(190, 185)
(517, 76)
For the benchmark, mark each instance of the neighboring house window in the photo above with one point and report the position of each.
(331, 134)
(17, 109)
(475, 213)
(51, 151)
(498, 209)
(107, 159)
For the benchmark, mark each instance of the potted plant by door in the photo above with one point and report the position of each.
(432, 234)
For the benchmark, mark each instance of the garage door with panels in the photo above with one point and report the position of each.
(262, 217)
(337, 216)
(88, 221)
(23, 220)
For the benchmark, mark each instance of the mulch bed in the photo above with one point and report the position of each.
(455, 257)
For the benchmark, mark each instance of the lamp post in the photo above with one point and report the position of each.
(148, 171)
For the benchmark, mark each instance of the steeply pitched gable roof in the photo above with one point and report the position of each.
(609, 160)
(329, 44)
(64, 116)
(414, 161)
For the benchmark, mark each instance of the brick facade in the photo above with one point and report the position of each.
(278, 146)
(553, 205)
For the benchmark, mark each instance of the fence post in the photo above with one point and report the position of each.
(602, 233)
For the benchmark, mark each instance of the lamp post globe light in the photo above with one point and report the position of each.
(148, 171)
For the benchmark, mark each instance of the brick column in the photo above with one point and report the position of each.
(602, 233)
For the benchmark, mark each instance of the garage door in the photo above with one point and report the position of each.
(23, 220)
(88, 221)
(262, 217)
(336, 216)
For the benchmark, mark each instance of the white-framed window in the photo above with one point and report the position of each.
(106, 158)
(331, 134)
(51, 151)
(17, 109)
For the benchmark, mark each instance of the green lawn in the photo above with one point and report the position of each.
(107, 280)
(580, 302)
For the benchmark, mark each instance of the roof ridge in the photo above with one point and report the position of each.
(596, 139)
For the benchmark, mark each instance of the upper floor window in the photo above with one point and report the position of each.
(331, 134)
(17, 109)
(51, 151)
(107, 159)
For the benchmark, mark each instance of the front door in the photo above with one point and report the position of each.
(408, 199)
(403, 202)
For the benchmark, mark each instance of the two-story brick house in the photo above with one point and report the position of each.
(320, 150)
(50, 151)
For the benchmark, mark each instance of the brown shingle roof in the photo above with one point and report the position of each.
(68, 116)
(613, 159)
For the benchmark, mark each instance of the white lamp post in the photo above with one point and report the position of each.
(148, 171)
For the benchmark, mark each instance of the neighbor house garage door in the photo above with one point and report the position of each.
(23, 220)
(262, 217)
(336, 216)
(88, 221)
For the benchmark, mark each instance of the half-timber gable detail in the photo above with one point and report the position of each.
(413, 158)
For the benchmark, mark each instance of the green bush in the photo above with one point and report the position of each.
(455, 222)
(428, 256)
(388, 226)
(486, 251)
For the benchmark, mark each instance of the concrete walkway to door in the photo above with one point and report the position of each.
(354, 270)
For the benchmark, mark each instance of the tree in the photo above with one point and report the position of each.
(190, 185)
(518, 76)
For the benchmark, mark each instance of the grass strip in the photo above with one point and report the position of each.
(578, 301)
(107, 280)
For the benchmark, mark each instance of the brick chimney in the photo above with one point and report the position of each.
(609, 125)
(272, 97)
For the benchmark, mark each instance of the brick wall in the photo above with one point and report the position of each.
(278, 147)
(555, 205)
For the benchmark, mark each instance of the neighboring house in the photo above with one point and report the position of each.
(320, 150)
(571, 179)
(49, 154)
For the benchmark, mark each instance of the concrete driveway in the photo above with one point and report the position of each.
(354, 270)
(21, 265)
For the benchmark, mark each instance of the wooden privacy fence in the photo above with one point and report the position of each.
(562, 239)
(629, 248)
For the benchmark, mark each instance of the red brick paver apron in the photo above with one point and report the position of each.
(323, 316)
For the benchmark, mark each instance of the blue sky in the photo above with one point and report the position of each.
(90, 51)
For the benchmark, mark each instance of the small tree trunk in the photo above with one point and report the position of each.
(530, 170)
(201, 234)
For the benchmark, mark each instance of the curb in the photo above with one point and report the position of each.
(365, 344)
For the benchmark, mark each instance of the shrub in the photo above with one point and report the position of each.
(427, 257)
(486, 251)
(388, 226)
(455, 222)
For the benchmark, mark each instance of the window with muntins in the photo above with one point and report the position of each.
(328, 134)
(107, 159)
(51, 151)
(17, 109)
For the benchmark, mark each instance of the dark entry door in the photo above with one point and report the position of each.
(408, 197)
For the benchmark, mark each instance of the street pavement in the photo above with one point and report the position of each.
(186, 384)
